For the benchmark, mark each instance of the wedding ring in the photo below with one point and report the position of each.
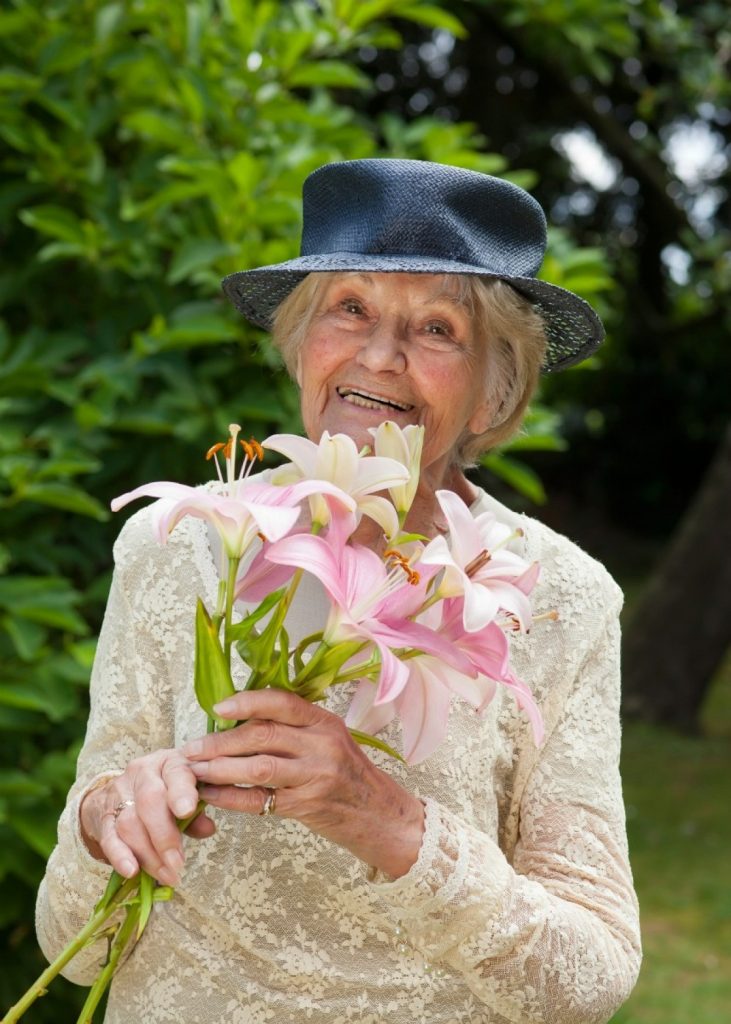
(269, 804)
(120, 807)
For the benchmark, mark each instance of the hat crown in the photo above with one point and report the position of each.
(414, 208)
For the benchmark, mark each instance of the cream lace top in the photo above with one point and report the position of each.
(520, 907)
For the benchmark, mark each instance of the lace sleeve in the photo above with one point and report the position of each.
(131, 714)
(554, 936)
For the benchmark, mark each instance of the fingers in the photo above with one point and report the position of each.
(237, 798)
(201, 828)
(275, 721)
(279, 705)
(255, 770)
(125, 842)
(137, 826)
(182, 793)
(254, 736)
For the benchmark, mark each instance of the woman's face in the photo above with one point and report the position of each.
(393, 347)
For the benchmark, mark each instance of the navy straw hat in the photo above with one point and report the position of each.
(411, 216)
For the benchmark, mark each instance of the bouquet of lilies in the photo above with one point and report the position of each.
(411, 628)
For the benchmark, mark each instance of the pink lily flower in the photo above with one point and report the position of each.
(369, 602)
(242, 513)
(424, 704)
(489, 654)
(478, 565)
(337, 460)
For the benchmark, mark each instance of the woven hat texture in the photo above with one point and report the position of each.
(411, 216)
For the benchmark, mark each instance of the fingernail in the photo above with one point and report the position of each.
(225, 707)
(199, 768)
(167, 877)
(193, 748)
(209, 792)
(127, 868)
(183, 808)
(174, 860)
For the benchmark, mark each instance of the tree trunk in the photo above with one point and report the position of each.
(681, 627)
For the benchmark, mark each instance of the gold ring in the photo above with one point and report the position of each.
(269, 804)
(120, 807)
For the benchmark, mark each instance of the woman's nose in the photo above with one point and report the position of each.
(382, 349)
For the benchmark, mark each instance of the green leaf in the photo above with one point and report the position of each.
(15, 783)
(51, 697)
(435, 17)
(331, 73)
(212, 675)
(146, 893)
(44, 599)
(372, 741)
(521, 477)
(195, 254)
(28, 637)
(56, 221)
(537, 443)
(66, 497)
(38, 830)
(240, 630)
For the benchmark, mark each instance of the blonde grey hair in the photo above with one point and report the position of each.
(511, 328)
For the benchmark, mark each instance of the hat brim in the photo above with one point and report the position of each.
(573, 329)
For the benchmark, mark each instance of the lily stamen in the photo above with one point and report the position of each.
(477, 563)
(400, 561)
(551, 616)
(212, 453)
(214, 449)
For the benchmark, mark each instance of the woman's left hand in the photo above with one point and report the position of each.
(320, 776)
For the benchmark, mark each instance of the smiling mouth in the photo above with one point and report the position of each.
(370, 401)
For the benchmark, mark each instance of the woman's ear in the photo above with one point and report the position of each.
(482, 418)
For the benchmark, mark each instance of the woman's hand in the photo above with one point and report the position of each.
(320, 776)
(131, 821)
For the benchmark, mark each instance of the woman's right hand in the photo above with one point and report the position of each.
(130, 822)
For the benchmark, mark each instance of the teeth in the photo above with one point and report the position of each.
(371, 401)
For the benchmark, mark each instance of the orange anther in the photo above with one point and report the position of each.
(214, 449)
(248, 450)
(257, 448)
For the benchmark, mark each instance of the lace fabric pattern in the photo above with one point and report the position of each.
(520, 907)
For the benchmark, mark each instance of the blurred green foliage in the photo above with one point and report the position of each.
(148, 149)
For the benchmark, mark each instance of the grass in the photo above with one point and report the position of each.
(677, 796)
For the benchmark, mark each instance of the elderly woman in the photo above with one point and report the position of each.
(489, 883)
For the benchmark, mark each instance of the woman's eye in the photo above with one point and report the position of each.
(351, 306)
(438, 328)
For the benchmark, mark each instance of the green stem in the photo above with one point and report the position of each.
(284, 604)
(233, 568)
(91, 931)
(220, 602)
(357, 672)
(103, 979)
(82, 939)
(304, 644)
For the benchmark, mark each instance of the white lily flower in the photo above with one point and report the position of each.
(405, 446)
(479, 566)
(336, 460)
